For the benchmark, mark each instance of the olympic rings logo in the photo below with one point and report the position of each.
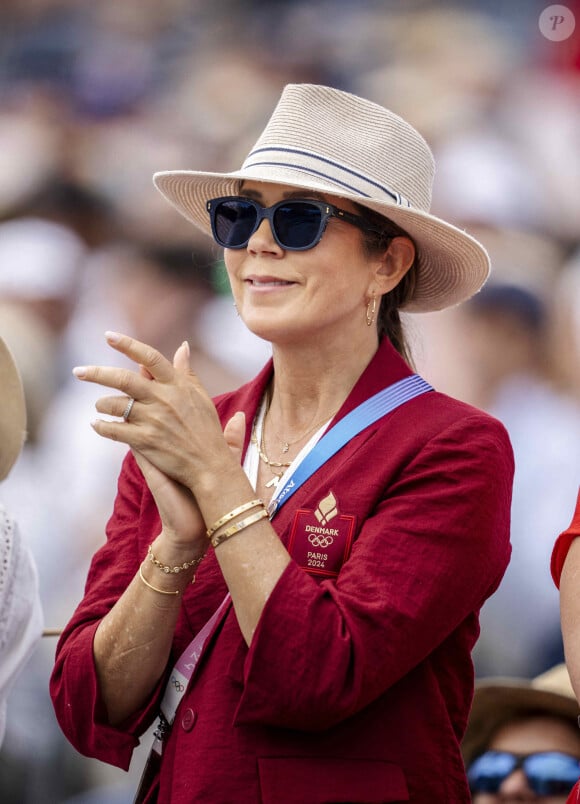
(319, 540)
(177, 684)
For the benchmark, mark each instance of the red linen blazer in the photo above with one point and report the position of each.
(563, 542)
(355, 688)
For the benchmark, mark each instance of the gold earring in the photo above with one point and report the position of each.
(371, 309)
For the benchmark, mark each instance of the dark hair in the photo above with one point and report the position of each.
(522, 302)
(190, 265)
(375, 241)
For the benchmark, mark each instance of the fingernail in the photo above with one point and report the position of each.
(80, 371)
(112, 337)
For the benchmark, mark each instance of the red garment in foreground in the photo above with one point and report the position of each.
(563, 543)
(559, 554)
(356, 687)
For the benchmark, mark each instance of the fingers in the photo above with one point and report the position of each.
(115, 431)
(234, 433)
(152, 366)
(145, 373)
(146, 356)
(162, 392)
(114, 405)
(143, 463)
(181, 357)
(122, 379)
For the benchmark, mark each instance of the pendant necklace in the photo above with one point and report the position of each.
(285, 445)
(272, 465)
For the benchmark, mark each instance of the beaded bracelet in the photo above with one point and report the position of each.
(231, 514)
(167, 569)
(233, 529)
(155, 589)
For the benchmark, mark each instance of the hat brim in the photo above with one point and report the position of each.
(12, 411)
(452, 265)
(497, 701)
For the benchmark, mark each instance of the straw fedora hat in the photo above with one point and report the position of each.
(326, 140)
(497, 700)
(12, 411)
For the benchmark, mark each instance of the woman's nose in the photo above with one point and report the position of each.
(263, 239)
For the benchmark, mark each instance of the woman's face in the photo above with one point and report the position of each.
(291, 296)
(533, 735)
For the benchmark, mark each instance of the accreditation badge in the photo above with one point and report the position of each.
(320, 540)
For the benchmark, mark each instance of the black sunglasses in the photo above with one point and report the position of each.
(550, 773)
(296, 224)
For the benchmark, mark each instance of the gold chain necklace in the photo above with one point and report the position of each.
(270, 464)
(285, 445)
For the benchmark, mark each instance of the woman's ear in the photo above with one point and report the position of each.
(394, 263)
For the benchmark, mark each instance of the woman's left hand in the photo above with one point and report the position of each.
(173, 422)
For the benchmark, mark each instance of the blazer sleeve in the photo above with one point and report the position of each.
(73, 685)
(433, 549)
(563, 543)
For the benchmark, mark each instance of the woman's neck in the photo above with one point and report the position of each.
(310, 384)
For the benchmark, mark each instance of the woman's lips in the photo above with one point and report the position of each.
(268, 282)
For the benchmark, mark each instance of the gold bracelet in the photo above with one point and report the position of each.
(167, 569)
(226, 517)
(155, 589)
(233, 529)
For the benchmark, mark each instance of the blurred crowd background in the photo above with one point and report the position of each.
(97, 96)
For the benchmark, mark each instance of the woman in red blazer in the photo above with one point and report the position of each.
(342, 521)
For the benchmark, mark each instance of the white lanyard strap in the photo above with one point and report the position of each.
(368, 412)
(186, 664)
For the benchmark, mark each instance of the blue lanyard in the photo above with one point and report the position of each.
(343, 431)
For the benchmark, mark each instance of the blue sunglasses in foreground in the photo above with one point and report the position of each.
(549, 773)
(297, 225)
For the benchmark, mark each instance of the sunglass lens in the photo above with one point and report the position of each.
(298, 224)
(489, 770)
(234, 223)
(552, 774)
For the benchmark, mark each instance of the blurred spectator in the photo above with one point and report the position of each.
(20, 610)
(504, 334)
(41, 265)
(445, 67)
(522, 741)
(158, 293)
(70, 203)
(28, 151)
(566, 325)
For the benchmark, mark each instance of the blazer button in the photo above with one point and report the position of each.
(188, 719)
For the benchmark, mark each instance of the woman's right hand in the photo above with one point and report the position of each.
(178, 509)
(180, 515)
(181, 518)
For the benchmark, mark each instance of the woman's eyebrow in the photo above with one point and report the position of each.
(305, 194)
(255, 194)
